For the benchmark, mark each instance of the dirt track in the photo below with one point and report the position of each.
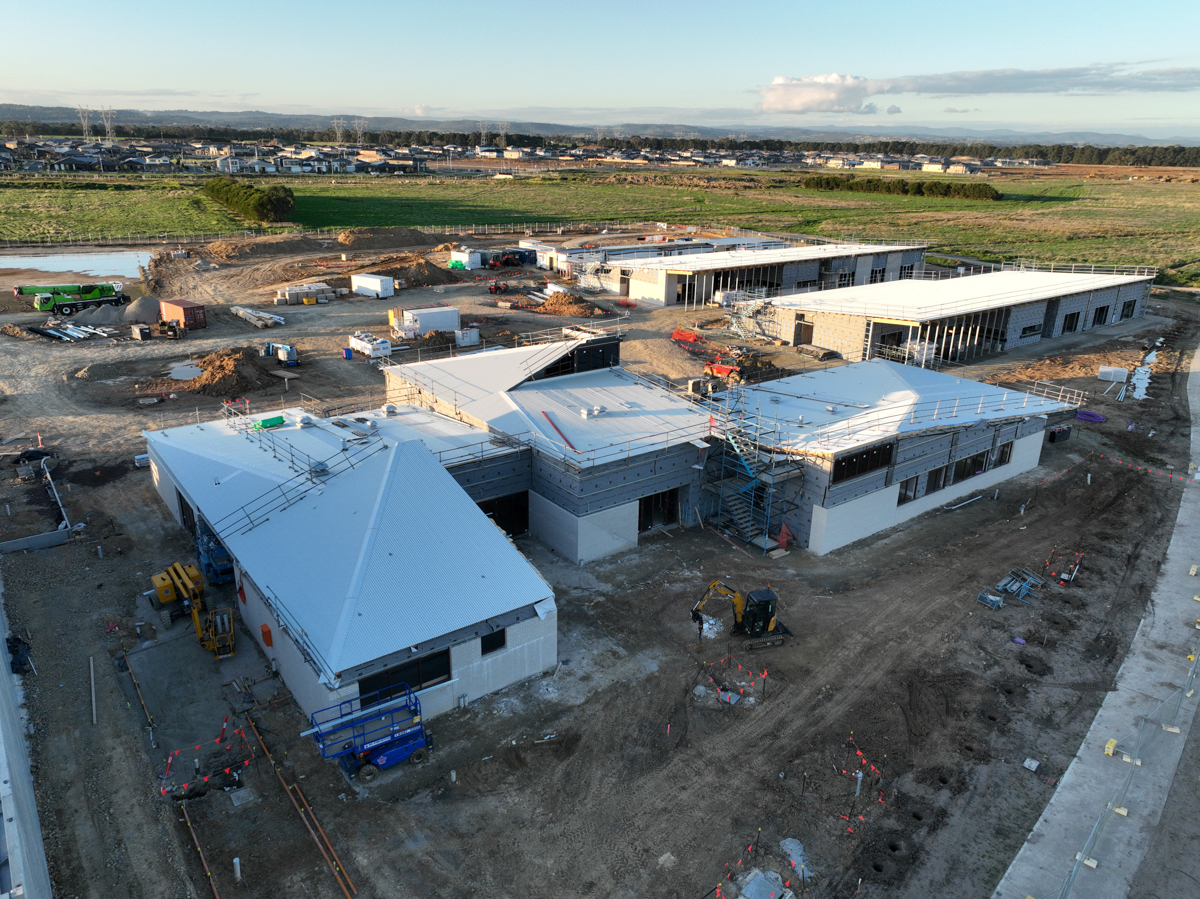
(650, 787)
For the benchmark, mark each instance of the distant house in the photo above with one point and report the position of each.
(157, 159)
(228, 165)
(933, 167)
(962, 168)
(259, 167)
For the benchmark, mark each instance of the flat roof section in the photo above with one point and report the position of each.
(919, 300)
(865, 402)
(708, 262)
(634, 416)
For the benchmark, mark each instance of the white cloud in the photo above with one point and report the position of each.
(849, 93)
(894, 110)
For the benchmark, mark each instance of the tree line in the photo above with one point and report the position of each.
(1059, 153)
(961, 190)
(274, 204)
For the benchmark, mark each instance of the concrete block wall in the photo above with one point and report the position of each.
(843, 333)
(841, 525)
(531, 647)
(1021, 317)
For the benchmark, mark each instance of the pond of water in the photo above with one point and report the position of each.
(122, 264)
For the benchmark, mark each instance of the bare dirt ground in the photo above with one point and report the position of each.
(649, 787)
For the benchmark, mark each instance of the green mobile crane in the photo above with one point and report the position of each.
(67, 299)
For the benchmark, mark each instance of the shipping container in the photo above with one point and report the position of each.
(433, 318)
(372, 285)
(185, 312)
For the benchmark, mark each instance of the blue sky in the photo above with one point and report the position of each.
(1103, 66)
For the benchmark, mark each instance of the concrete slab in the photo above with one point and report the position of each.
(1155, 666)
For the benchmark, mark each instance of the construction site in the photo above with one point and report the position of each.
(395, 564)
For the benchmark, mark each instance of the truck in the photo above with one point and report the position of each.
(67, 299)
(371, 732)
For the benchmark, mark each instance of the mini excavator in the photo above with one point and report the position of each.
(754, 615)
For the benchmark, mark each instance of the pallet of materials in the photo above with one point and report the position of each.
(304, 294)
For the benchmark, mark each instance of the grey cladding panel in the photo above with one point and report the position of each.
(848, 490)
(913, 447)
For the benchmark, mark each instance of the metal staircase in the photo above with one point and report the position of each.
(749, 475)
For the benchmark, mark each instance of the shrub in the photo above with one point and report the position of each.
(274, 204)
(955, 189)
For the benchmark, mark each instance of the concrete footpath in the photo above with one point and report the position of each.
(1155, 666)
(22, 836)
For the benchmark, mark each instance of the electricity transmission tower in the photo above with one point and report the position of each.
(360, 128)
(339, 129)
(483, 133)
(85, 120)
(108, 116)
(503, 129)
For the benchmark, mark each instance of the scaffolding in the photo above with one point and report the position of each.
(754, 485)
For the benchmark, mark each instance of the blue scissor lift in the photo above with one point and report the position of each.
(372, 732)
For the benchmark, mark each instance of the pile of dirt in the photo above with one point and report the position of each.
(143, 309)
(13, 331)
(570, 305)
(227, 373)
(415, 269)
(272, 245)
(1083, 365)
(430, 340)
(384, 238)
(446, 247)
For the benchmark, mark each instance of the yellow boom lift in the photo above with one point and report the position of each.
(183, 584)
(753, 615)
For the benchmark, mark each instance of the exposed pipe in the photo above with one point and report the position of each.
(196, 841)
(54, 491)
(321, 829)
(299, 811)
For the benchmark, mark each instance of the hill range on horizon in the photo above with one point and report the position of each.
(250, 120)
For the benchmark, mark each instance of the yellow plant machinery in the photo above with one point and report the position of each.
(183, 584)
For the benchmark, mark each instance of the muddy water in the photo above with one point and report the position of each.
(123, 264)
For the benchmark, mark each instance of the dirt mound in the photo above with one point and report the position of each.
(415, 269)
(143, 309)
(272, 245)
(570, 305)
(446, 247)
(383, 238)
(227, 373)
(13, 331)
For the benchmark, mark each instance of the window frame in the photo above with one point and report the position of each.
(906, 272)
(979, 467)
(398, 674)
(484, 649)
(1003, 454)
(1031, 330)
(943, 471)
(908, 490)
(1097, 322)
(878, 275)
(1073, 318)
(860, 462)
(1128, 308)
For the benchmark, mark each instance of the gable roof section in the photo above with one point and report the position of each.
(387, 555)
(476, 382)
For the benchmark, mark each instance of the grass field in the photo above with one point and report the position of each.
(1059, 219)
(130, 207)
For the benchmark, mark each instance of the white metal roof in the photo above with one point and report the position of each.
(475, 382)
(854, 405)
(635, 416)
(707, 262)
(385, 554)
(921, 301)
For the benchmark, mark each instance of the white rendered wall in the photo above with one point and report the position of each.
(850, 521)
(297, 674)
(649, 291)
(531, 647)
(585, 538)
(862, 270)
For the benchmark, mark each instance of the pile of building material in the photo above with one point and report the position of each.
(256, 318)
(57, 329)
(305, 294)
